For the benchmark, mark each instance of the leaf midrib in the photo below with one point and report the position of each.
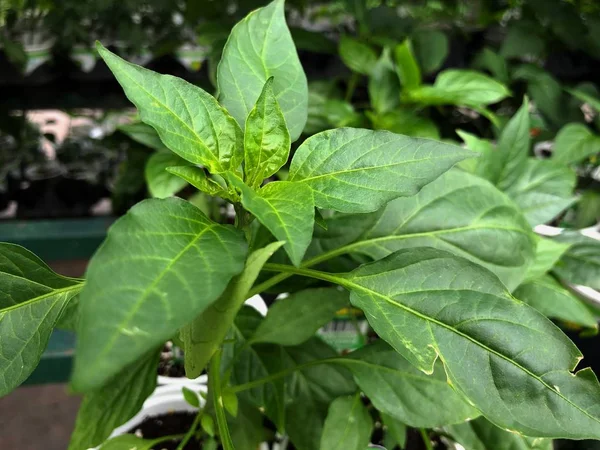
(42, 297)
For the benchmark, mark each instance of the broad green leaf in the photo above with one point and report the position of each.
(395, 432)
(348, 425)
(115, 403)
(358, 56)
(588, 209)
(129, 442)
(260, 47)
(188, 120)
(405, 121)
(144, 134)
(481, 434)
(400, 390)
(522, 42)
(461, 88)
(458, 212)
(295, 319)
(513, 148)
(494, 63)
(384, 88)
(266, 140)
(203, 336)
(551, 299)
(358, 170)
(580, 264)
(286, 209)
(543, 190)
(407, 66)
(161, 264)
(574, 143)
(431, 48)
(162, 183)
(486, 166)
(586, 97)
(247, 430)
(428, 303)
(197, 177)
(32, 300)
(547, 253)
(340, 113)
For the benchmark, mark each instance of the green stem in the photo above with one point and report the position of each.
(214, 384)
(191, 431)
(336, 278)
(352, 86)
(426, 439)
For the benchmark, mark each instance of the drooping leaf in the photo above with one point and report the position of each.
(407, 66)
(580, 264)
(32, 300)
(458, 212)
(384, 88)
(547, 253)
(358, 170)
(357, 55)
(550, 298)
(196, 176)
(203, 336)
(266, 140)
(461, 88)
(543, 190)
(400, 390)
(430, 48)
(162, 183)
(513, 148)
(115, 403)
(574, 142)
(405, 121)
(293, 320)
(348, 425)
(188, 120)
(162, 263)
(286, 209)
(260, 47)
(428, 303)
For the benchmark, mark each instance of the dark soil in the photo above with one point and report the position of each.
(165, 425)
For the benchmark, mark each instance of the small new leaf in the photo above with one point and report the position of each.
(197, 177)
(191, 397)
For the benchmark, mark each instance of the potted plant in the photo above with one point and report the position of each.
(452, 343)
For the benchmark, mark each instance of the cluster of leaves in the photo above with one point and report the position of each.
(443, 264)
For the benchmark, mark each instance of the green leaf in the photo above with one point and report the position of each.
(129, 442)
(384, 88)
(162, 183)
(522, 42)
(358, 170)
(191, 397)
(494, 63)
(431, 49)
(486, 166)
(247, 431)
(574, 143)
(188, 120)
(586, 97)
(405, 121)
(287, 210)
(358, 56)
(481, 434)
(551, 299)
(230, 402)
(400, 390)
(115, 403)
(543, 190)
(395, 432)
(513, 148)
(32, 300)
(428, 303)
(203, 336)
(197, 177)
(161, 263)
(208, 424)
(266, 140)
(348, 425)
(295, 319)
(461, 88)
(260, 47)
(547, 253)
(458, 212)
(580, 264)
(406, 65)
(145, 135)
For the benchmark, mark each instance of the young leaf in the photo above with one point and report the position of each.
(384, 88)
(407, 66)
(230, 402)
(145, 135)
(202, 336)
(430, 48)
(358, 170)
(428, 303)
(580, 264)
(400, 390)
(115, 403)
(543, 190)
(295, 319)
(196, 176)
(161, 263)
(574, 142)
(547, 253)
(286, 209)
(191, 397)
(348, 425)
(266, 140)
(487, 165)
(513, 148)
(161, 183)
(260, 47)
(358, 56)
(551, 299)
(208, 424)
(188, 120)
(32, 300)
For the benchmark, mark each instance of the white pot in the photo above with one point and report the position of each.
(182, 381)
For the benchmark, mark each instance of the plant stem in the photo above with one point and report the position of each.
(425, 438)
(214, 384)
(191, 431)
(337, 278)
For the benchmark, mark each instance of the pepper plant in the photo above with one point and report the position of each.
(359, 221)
